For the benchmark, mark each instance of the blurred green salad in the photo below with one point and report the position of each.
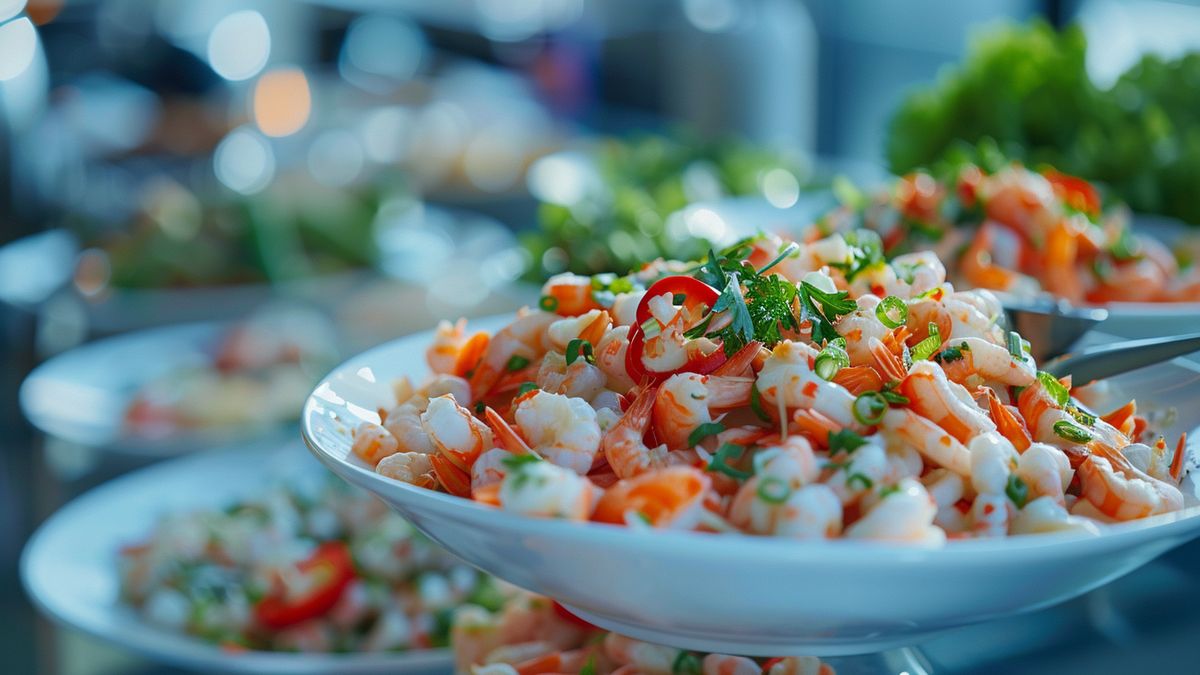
(295, 229)
(1027, 88)
(622, 222)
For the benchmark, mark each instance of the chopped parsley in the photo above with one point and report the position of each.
(756, 404)
(823, 309)
(516, 363)
(686, 663)
(525, 388)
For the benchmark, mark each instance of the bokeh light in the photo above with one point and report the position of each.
(282, 101)
(18, 46)
(335, 158)
(239, 45)
(10, 8)
(380, 51)
(780, 188)
(244, 161)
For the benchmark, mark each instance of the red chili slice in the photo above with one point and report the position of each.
(332, 568)
(639, 372)
(694, 292)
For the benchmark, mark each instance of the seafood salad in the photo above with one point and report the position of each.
(1024, 232)
(534, 634)
(779, 388)
(313, 566)
(258, 374)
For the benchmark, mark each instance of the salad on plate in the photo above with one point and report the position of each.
(305, 566)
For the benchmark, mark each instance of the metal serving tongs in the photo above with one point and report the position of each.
(1052, 326)
(1101, 361)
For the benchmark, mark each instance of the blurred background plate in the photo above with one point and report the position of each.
(69, 567)
(83, 394)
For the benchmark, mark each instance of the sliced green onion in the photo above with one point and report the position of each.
(756, 404)
(651, 328)
(686, 663)
(893, 397)
(516, 363)
(787, 251)
(1072, 432)
(704, 431)
(480, 407)
(831, 359)
(774, 490)
(517, 461)
(1015, 345)
(950, 354)
(548, 303)
(589, 668)
(861, 479)
(580, 347)
(720, 461)
(892, 312)
(869, 408)
(1017, 491)
(929, 346)
(844, 441)
(1057, 391)
(889, 491)
(525, 388)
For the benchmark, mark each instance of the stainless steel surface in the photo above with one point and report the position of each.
(1101, 361)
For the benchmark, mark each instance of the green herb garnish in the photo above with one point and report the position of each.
(704, 431)
(580, 347)
(548, 303)
(869, 408)
(1017, 491)
(720, 461)
(845, 441)
(1072, 432)
(892, 312)
(1058, 393)
(927, 347)
(773, 490)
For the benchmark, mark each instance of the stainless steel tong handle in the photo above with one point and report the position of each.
(1101, 361)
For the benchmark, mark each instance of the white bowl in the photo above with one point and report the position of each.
(69, 566)
(741, 594)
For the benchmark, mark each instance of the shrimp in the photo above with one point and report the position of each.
(448, 342)
(907, 427)
(858, 472)
(770, 501)
(589, 326)
(408, 467)
(858, 327)
(993, 461)
(489, 469)
(978, 265)
(972, 361)
(372, 443)
(991, 515)
(787, 377)
(672, 497)
(578, 380)
(455, 432)
(686, 400)
(1127, 494)
(724, 664)
(649, 659)
(943, 402)
(1046, 515)
(904, 514)
(799, 665)
(1154, 461)
(1023, 200)
(527, 337)
(563, 430)
(540, 488)
(809, 512)
(1041, 413)
(624, 444)
(571, 293)
(1046, 471)
(1060, 274)
(946, 488)
(923, 271)
(610, 358)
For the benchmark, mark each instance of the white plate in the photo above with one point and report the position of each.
(81, 395)
(741, 594)
(69, 567)
(730, 219)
